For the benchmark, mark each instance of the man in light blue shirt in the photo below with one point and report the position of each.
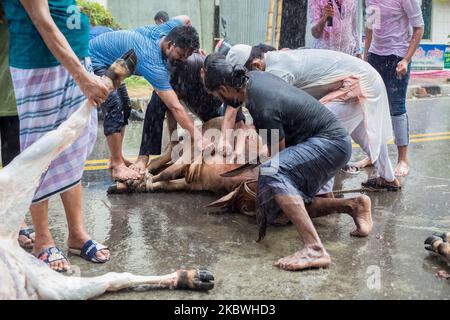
(154, 45)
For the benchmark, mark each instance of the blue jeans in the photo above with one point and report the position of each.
(396, 90)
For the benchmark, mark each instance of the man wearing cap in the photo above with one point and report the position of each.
(351, 88)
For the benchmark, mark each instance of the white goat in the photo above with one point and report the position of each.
(22, 276)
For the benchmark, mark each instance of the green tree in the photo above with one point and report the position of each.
(98, 14)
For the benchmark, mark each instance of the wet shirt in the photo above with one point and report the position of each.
(152, 65)
(276, 105)
(343, 35)
(7, 98)
(392, 24)
(187, 83)
(305, 68)
(98, 30)
(27, 48)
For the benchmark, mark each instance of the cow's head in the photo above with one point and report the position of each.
(242, 199)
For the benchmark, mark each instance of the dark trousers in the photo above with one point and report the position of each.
(152, 132)
(116, 108)
(9, 136)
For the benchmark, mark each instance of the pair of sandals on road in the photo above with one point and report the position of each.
(54, 254)
(87, 252)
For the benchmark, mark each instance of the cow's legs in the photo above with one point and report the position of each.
(176, 171)
(172, 185)
(158, 163)
(176, 185)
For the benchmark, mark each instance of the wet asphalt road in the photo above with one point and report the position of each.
(159, 233)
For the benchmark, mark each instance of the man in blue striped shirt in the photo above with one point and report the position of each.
(154, 45)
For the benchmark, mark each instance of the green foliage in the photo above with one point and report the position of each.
(98, 14)
(136, 82)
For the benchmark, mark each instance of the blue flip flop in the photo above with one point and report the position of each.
(88, 251)
(26, 233)
(50, 255)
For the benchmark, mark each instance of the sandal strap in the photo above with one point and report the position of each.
(90, 248)
(26, 232)
(50, 255)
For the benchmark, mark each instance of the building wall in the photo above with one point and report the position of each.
(136, 13)
(440, 28)
(244, 21)
(102, 2)
(241, 21)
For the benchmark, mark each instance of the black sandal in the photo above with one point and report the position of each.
(374, 183)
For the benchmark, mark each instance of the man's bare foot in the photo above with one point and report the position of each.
(307, 258)
(122, 173)
(140, 165)
(362, 215)
(381, 183)
(402, 169)
(364, 163)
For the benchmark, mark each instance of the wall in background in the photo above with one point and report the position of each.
(136, 13)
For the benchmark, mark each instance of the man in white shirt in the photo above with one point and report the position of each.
(351, 88)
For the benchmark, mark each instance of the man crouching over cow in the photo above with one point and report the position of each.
(313, 147)
(186, 81)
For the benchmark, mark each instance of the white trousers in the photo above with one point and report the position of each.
(351, 116)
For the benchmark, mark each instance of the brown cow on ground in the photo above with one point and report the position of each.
(206, 176)
(238, 193)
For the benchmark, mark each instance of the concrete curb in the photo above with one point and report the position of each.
(433, 90)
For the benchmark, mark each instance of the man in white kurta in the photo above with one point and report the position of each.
(348, 86)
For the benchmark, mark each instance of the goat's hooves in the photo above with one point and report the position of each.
(444, 250)
(444, 236)
(114, 189)
(430, 241)
(199, 280)
(118, 188)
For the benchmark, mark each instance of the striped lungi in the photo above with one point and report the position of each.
(46, 97)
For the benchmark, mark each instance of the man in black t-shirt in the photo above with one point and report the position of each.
(312, 146)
